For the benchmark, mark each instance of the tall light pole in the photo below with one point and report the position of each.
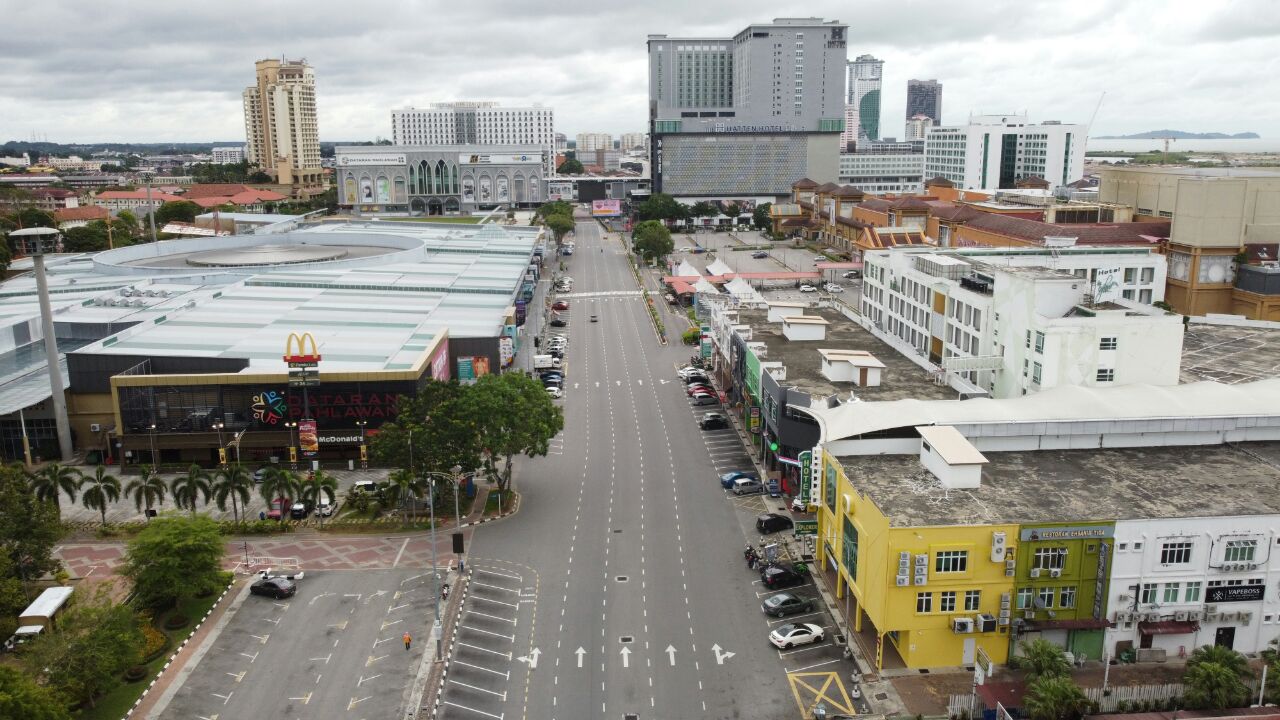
(151, 209)
(155, 461)
(364, 453)
(437, 631)
(457, 485)
(293, 428)
(222, 452)
(36, 242)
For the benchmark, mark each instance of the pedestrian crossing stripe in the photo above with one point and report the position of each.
(811, 688)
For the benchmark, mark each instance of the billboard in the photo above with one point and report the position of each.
(471, 367)
(505, 159)
(606, 208)
(308, 437)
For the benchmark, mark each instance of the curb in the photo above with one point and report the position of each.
(434, 701)
(506, 514)
(179, 649)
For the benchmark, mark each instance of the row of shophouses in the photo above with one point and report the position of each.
(1105, 518)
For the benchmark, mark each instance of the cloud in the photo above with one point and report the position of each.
(81, 72)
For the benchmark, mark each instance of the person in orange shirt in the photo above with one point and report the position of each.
(408, 639)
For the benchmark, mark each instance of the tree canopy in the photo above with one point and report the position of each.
(177, 210)
(760, 217)
(560, 225)
(661, 206)
(652, 240)
(554, 207)
(1041, 658)
(174, 557)
(572, 166)
(29, 527)
(1055, 698)
(22, 697)
(1214, 678)
(515, 417)
(94, 643)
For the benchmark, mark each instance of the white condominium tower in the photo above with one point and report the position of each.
(477, 123)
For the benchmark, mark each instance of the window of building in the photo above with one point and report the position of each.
(1106, 375)
(947, 601)
(1035, 373)
(1148, 593)
(1107, 343)
(1127, 294)
(1028, 338)
(924, 602)
(951, 561)
(1175, 553)
(1130, 276)
(1067, 597)
(1122, 547)
(1039, 341)
(1137, 546)
(1231, 583)
(972, 599)
(1215, 583)
(1050, 558)
(1144, 297)
(1254, 581)
(1240, 551)
(1171, 592)
(1044, 598)
(1024, 598)
(1193, 592)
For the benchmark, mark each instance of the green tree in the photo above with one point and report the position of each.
(129, 219)
(404, 486)
(760, 216)
(233, 483)
(279, 483)
(174, 558)
(95, 642)
(53, 480)
(702, 208)
(320, 485)
(147, 489)
(572, 166)
(560, 226)
(177, 210)
(86, 238)
(29, 527)
(554, 207)
(13, 598)
(1041, 658)
(1055, 698)
(1219, 655)
(100, 490)
(22, 697)
(733, 210)
(515, 417)
(433, 431)
(187, 489)
(652, 240)
(661, 206)
(29, 217)
(1213, 686)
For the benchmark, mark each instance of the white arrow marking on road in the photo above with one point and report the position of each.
(314, 599)
(531, 658)
(640, 380)
(619, 382)
(575, 386)
(671, 654)
(626, 656)
(664, 381)
(597, 384)
(720, 657)
(579, 652)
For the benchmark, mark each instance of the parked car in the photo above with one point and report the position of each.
(778, 576)
(595, 318)
(325, 507)
(772, 523)
(698, 250)
(260, 473)
(726, 480)
(560, 305)
(689, 369)
(713, 421)
(820, 258)
(699, 388)
(747, 486)
(851, 275)
(759, 254)
(299, 510)
(808, 288)
(276, 509)
(784, 604)
(555, 391)
(276, 587)
(686, 248)
(832, 288)
(705, 399)
(559, 322)
(695, 377)
(799, 634)
(367, 486)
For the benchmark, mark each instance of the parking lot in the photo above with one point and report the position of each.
(488, 658)
(333, 650)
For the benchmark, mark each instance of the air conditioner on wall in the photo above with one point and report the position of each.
(1035, 572)
(1002, 620)
(1208, 609)
(903, 580)
(922, 560)
(922, 579)
(1245, 617)
(1180, 616)
(962, 625)
(1194, 615)
(1055, 572)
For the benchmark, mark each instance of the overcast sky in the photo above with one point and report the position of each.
(115, 71)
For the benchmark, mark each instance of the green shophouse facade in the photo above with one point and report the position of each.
(1061, 574)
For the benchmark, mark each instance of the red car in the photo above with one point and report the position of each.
(277, 508)
(560, 305)
(697, 388)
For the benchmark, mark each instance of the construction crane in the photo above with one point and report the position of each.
(1096, 108)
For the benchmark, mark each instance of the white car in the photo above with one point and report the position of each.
(555, 392)
(325, 507)
(808, 288)
(851, 275)
(790, 635)
(832, 287)
(798, 505)
(686, 248)
(688, 370)
(820, 258)
(566, 279)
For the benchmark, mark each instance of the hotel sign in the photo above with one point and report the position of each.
(372, 159)
(1235, 593)
(1066, 533)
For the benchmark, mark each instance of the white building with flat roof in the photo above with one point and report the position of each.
(883, 172)
(229, 155)
(996, 151)
(477, 123)
(1013, 322)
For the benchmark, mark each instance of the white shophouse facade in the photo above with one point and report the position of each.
(1180, 583)
(1016, 322)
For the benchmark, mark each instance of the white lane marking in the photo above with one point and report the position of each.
(403, 545)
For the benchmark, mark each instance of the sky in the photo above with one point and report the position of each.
(116, 71)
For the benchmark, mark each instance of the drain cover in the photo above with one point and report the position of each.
(618, 531)
(626, 639)
(631, 716)
(621, 578)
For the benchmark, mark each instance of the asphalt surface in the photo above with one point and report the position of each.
(633, 596)
(333, 650)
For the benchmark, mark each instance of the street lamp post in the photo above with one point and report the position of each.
(457, 485)
(222, 452)
(293, 456)
(437, 631)
(364, 453)
(155, 463)
(151, 209)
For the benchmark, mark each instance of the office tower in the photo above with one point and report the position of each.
(918, 126)
(995, 151)
(477, 123)
(282, 137)
(865, 74)
(924, 97)
(746, 116)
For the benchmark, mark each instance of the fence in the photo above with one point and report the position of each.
(1128, 695)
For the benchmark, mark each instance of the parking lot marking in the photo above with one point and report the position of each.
(397, 607)
(792, 618)
(313, 600)
(238, 676)
(357, 596)
(820, 687)
(464, 707)
(341, 626)
(477, 583)
(806, 648)
(225, 698)
(495, 602)
(251, 657)
(506, 675)
(306, 699)
(387, 624)
(502, 695)
(494, 617)
(376, 594)
(500, 574)
(356, 701)
(810, 667)
(487, 632)
(261, 638)
(211, 717)
(318, 679)
(506, 655)
(275, 621)
(364, 679)
(373, 660)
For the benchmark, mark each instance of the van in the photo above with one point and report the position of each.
(747, 486)
(542, 362)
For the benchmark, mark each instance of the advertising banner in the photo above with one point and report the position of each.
(704, 344)
(372, 159)
(308, 437)
(806, 477)
(506, 350)
(471, 367)
(753, 420)
(606, 208)
(1235, 593)
(806, 527)
(497, 159)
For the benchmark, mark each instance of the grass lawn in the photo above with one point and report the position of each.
(115, 704)
(491, 504)
(460, 219)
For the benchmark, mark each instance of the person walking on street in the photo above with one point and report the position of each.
(408, 640)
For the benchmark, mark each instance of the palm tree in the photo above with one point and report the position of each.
(321, 485)
(234, 483)
(403, 485)
(147, 490)
(99, 490)
(53, 480)
(1213, 686)
(1220, 655)
(1041, 658)
(278, 483)
(188, 488)
(1055, 698)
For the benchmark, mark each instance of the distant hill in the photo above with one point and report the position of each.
(1180, 135)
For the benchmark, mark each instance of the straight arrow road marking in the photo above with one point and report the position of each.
(671, 655)
(579, 652)
(720, 656)
(531, 658)
(626, 656)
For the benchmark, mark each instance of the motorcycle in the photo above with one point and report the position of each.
(444, 591)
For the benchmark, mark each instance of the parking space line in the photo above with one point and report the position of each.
(810, 667)
(496, 602)
(506, 675)
(473, 611)
(499, 574)
(512, 638)
(806, 648)
(464, 707)
(506, 655)
(792, 618)
(502, 695)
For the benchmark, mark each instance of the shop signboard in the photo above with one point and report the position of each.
(471, 367)
(753, 420)
(705, 344)
(806, 527)
(1235, 593)
(606, 208)
(806, 479)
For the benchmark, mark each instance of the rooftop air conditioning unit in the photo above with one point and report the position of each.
(962, 625)
(1035, 572)
(998, 546)
(1055, 572)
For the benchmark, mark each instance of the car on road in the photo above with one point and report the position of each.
(555, 391)
(820, 258)
(851, 275)
(726, 480)
(772, 523)
(698, 250)
(808, 288)
(713, 421)
(759, 254)
(299, 510)
(689, 369)
(595, 318)
(747, 486)
(559, 322)
(276, 510)
(260, 473)
(686, 248)
(694, 388)
(275, 587)
(832, 287)
(557, 353)
(784, 604)
(790, 635)
(779, 576)
(560, 305)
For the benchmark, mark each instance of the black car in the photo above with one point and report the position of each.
(551, 375)
(759, 254)
(276, 587)
(300, 510)
(772, 523)
(556, 352)
(692, 378)
(713, 421)
(559, 322)
(777, 576)
(784, 604)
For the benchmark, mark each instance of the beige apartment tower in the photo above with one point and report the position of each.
(281, 134)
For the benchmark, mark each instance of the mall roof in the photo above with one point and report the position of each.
(1066, 403)
(1053, 486)
(1230, 350)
